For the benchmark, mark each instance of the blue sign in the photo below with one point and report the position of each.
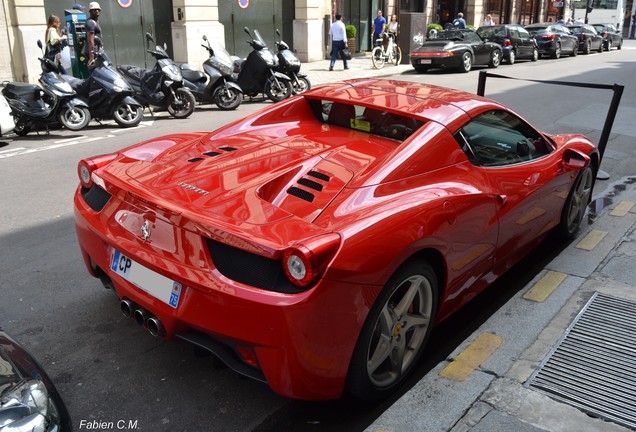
(243, 3)
(124, 3)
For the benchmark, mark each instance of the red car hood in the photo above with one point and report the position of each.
(257, 182)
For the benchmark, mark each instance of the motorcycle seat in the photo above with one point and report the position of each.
(22, 89)
(192, 75)
(81, 86)
(133, 71)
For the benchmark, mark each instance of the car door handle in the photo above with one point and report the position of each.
(502, 200)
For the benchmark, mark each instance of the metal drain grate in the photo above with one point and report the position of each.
(593, 365)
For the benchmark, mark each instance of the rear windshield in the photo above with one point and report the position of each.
(492, 32)
(575, 30)
(454, 35)
(364, 119)
(537, 29)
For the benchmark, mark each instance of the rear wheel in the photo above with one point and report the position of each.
(377, 57)
(227, 98)
(600, 47)
(75, 118)
(21, 128)
(395, 332)
(277, 89)
(397, 55)
(512, 57)
(576, 203)
(620, 44)
(588, 47)
(126, 115)
(609, 45)
(467, 62)
(182, 104)
(300, 84)
(557, 51)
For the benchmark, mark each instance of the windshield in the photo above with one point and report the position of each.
(257, 37)
(221, 53)
(450, 35)
(491, 32)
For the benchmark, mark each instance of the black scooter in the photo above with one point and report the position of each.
(48, 106)
(161, 86)
(220, 87)
(257, 74)
(289, 64)
(108, 94)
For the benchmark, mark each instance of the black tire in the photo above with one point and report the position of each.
(620, 45)
(512, 57)
(609, 45)
(495, 59)
(75, 118)
(576, 203)
(182, 104)
(126, 115)
(466, 63)
(227, 98)
(600, 48)
(557, 51)
(588, 47)
(299, 85)
(21, 128)
(394, 334)
(535, 54)
(277, 90)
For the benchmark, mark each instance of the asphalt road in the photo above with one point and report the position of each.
(109, 370)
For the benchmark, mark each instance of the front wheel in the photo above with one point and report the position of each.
(576, 203)
(467, 62)
(75, 118)
(21, 128)
(397, 55)
(300, 84)
(182, 104)
(600, 48)
(277, 89)
(535, 54)
(377, 57)
(495, 59)
(557, 51)
(227, 98)
(126, 115)
(512, 57)
(395, 332)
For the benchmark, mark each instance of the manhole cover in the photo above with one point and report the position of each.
(593, 365)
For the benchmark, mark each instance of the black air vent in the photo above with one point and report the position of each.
(320, 176)
(229, 149)
(310, 184)
(212, 153)
(302, 194)
(95, 197)
(196, 159)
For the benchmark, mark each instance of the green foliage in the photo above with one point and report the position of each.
(351, 31)
(437, 27)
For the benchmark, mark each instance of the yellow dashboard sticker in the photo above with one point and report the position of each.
(362, 125)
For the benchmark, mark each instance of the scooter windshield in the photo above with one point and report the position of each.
(259, 38)
(221, 53)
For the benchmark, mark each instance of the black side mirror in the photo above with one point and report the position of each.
(39, 43)
(205, 38)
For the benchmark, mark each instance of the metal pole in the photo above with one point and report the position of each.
(481, 85)
(611, 115)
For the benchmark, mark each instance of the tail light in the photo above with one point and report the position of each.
(507, 43)
(86, 167)
(306, 261)
(548, 36)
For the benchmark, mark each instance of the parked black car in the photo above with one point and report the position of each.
(589, 40)
(456, 49)
(516, 41)
(612, 37)
(28, 399)
(554, 39)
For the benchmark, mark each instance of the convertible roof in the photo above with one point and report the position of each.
(422, 101)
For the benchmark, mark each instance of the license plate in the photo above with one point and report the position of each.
(426, 61)
(158, 286)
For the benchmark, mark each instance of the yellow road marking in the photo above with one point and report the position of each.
(622, 208)
(591, 240)
(545, 286)
(469, 359)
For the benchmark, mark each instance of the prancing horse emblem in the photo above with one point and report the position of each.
(145, 231)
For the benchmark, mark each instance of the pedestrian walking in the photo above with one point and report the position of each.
(93, 31)
(54, 42)
(459, 22)
(338, 41)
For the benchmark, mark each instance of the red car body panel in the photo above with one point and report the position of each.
(387, 200)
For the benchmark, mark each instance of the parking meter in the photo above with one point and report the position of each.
(76, 28)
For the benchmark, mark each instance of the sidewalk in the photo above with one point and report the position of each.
(484, 386)
(360, 66)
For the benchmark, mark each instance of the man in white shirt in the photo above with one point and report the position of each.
(338, 41)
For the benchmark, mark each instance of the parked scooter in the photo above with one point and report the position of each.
(55, 102)
(220, 87)
(161, 86)
(257, 74)
(108, 94)
(289, 64)
(7, 124)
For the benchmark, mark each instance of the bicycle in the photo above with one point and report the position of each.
(386, 51)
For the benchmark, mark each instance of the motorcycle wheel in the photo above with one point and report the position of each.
(182, 104)
(75, 118)
(21, 128)
(300, 85)
(126, 115)
(227, 98)
(277, 90)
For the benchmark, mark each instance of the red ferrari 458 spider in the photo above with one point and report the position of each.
(313, 245)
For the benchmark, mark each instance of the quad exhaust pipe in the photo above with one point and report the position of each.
(142, 317)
